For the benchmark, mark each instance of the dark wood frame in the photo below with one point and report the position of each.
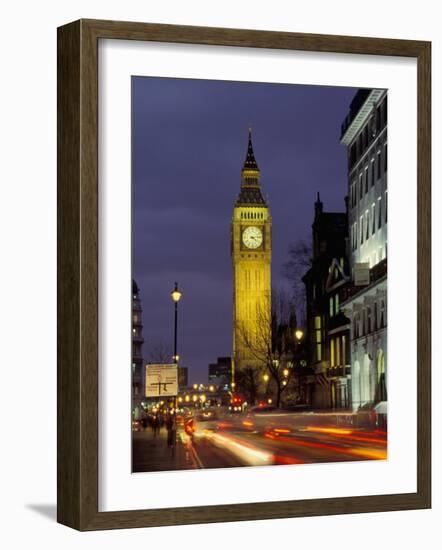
(77, 461)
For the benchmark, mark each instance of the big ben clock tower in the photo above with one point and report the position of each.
(251, 250)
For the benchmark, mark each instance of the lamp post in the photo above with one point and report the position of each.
(176, 296)
(299, 334)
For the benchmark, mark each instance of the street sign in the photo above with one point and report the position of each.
(161, 380)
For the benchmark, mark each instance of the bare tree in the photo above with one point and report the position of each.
(247, 380)
(270, 344)
(298, 263)
(159, 353)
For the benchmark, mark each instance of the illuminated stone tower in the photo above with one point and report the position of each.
(251, 250)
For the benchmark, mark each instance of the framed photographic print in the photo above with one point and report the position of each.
(243, 275)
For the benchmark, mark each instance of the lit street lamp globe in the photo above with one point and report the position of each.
(176, 294)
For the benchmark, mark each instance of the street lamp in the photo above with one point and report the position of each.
(299, 334)
(265, 377)
(176, 297)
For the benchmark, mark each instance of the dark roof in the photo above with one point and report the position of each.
(356, 103)
(250, 193)
(250, 196)
(250, 162)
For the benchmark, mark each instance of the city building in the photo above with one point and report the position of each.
(137, 352)
(251, 251)
(328, 330)
(183, 375)
(220, 373)
(364, 133)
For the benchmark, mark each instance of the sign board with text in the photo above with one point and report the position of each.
(161, 380)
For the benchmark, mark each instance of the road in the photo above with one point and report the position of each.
(283, 439)
(220, 440)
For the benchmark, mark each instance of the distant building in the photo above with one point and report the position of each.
(364, 132)
(220, 373)
(328, 329)
(182, 377)
(137, 353)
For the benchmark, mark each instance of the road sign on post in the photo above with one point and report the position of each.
(161, 380)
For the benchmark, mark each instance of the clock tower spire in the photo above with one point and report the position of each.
(251, 251)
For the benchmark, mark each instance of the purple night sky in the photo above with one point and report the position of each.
(189, 141)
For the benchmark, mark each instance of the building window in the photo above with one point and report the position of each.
(356, 326)
(385, 158)
(361, 229)
(361, 189)
(338, 352)
(331, 311)
(378, 165)
(385, 207)
(344, 349)
(332, 352)
(378, 119)
(372, 172)
(366, 179)
(382, 315)
(379, 212)
(375, 316)
(373, 219)
(318, 338)
(336, 303)
(369, 320)
(367, 225)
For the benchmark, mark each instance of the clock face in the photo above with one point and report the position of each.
(252, 237)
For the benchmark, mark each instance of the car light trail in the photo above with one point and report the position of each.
(337, 431)
(248, 454)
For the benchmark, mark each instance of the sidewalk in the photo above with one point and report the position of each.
(151, 454)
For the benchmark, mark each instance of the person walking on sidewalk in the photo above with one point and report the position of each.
(155, 425)
(170, 430)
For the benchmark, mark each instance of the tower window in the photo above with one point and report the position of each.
(372, 172)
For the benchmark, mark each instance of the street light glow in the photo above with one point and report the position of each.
(299, 334)
(176, 294)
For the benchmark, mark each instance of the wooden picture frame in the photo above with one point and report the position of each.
(77, 461)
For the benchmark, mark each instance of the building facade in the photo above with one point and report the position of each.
(251, 251)
(220, 373)
(328, 329)
(137, 352)
(183, 377)
(364, 133)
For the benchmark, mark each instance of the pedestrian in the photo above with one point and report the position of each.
(170, 430)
